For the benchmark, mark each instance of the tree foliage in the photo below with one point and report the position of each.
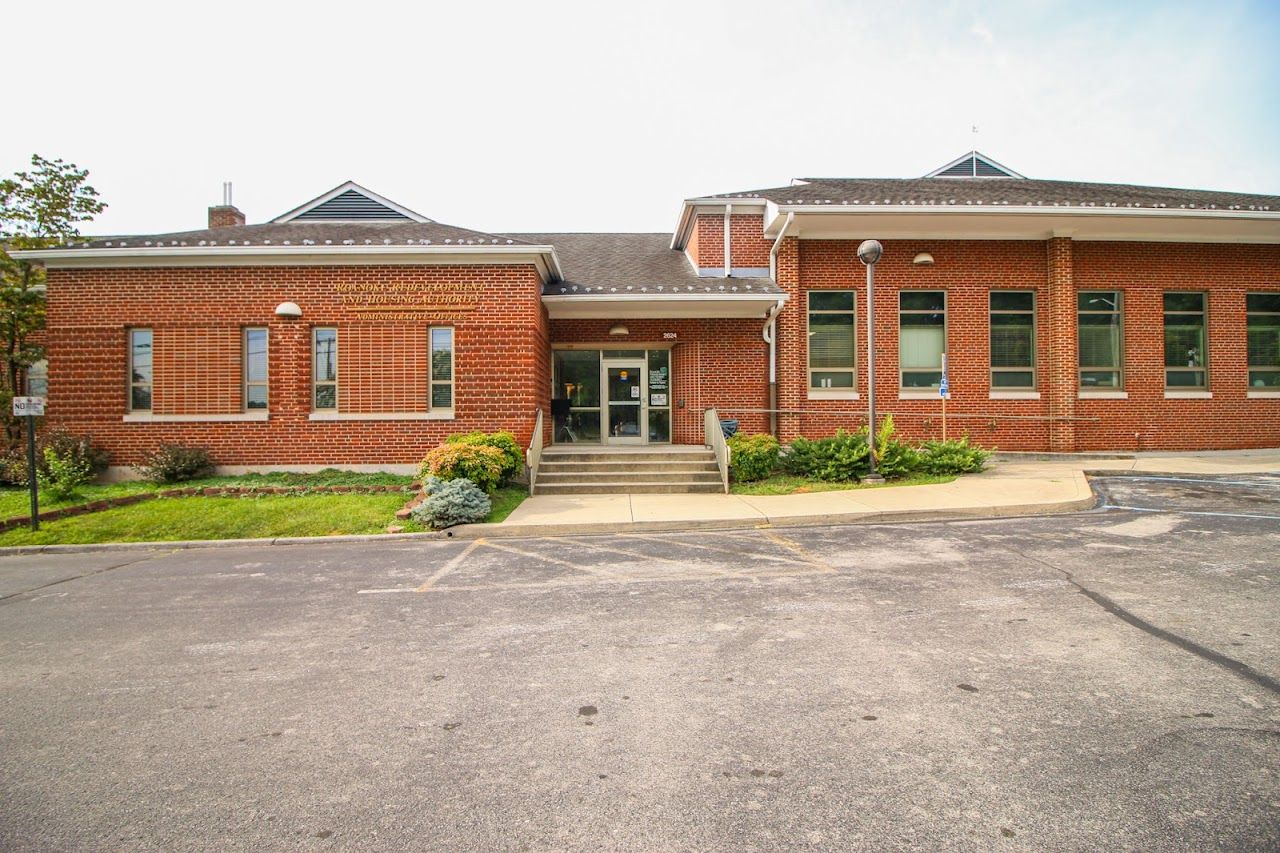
(38, 208)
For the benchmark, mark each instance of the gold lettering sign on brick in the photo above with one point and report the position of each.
(409, 296)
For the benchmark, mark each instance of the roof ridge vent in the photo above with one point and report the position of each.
(974, 164)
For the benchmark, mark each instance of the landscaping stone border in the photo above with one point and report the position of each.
(199, 491)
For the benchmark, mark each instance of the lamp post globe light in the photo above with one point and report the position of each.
(869, 252)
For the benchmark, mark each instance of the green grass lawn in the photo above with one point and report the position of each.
(220, 518)
(167, 519)
(17, 501)
(789, 484)
(505, 500)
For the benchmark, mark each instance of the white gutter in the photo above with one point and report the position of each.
(1021, 209)
(777, 244)
(60, 257)
(651, 296)
(728, 240)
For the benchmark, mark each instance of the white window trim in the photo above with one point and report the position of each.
(131, 384)
(244, 368)
(831, 393)
(1019, 391)
(148, 418)
(1264, 395)
(911, 393)
(315, 384)
(1094, 392)
(328, 415)
(443, 411)
(1174, 392)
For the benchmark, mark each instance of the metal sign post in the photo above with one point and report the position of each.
(31, 408)
(944, 391)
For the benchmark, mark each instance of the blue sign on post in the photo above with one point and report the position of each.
(944, 389)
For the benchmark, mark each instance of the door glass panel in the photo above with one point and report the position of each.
(624, 420)
(624, 385)
(660, 425)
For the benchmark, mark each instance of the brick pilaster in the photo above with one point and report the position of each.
(1059, 377)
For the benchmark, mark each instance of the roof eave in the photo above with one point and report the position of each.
(543, 256)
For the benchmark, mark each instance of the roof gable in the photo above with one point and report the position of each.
(350, 202)
(975, 164)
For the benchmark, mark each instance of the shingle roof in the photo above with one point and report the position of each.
(611, 264)
(310, 233)
(942, 192)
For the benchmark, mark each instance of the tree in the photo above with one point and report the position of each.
(39, 208)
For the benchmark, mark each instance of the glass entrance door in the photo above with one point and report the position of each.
(624, 401)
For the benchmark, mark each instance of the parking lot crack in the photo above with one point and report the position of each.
(88, 574)
(1236, 667)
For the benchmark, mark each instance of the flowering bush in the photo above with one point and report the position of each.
(512, 457)
(481, 464)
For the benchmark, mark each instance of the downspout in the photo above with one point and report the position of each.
(728, 238)
(770, 333)
(771, 329)
(777, 244)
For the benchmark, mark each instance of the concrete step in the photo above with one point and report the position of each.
(615, 488)
(656, 466)
(587, 478)
(627, 456)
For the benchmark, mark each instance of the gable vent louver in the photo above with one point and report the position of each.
(973, 165)
(352, 205)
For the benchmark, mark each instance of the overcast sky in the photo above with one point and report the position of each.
(598, 116)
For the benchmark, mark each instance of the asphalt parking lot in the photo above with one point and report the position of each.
(1101, 679)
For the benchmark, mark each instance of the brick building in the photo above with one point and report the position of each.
(353, 331)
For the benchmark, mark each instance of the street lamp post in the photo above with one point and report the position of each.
(869, 252)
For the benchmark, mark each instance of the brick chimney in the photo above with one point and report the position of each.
(225, 215)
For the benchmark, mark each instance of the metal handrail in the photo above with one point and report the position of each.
(914, 414)
(533, 454)
(714, 437)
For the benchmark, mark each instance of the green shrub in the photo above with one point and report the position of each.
(66, 447)
(77, 447)
(753, 457)
(512, 455)
(450, 502)
(62, 476)
(956, 456)
(482, 464)
(894, 458)
(842, 457)
(174, 463)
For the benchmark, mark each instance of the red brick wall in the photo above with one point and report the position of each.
(197, 315)
(1055, 270)
(225, 217)
(710, 240)
(1146, 420)
(716, 363)
(750, 248)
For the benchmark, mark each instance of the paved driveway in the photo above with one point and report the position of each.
(1104, 679)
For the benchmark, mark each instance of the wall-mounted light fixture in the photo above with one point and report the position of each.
(923, 259)
(288, 309)
(619, 329)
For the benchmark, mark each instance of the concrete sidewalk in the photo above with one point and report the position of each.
(1010, 486)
